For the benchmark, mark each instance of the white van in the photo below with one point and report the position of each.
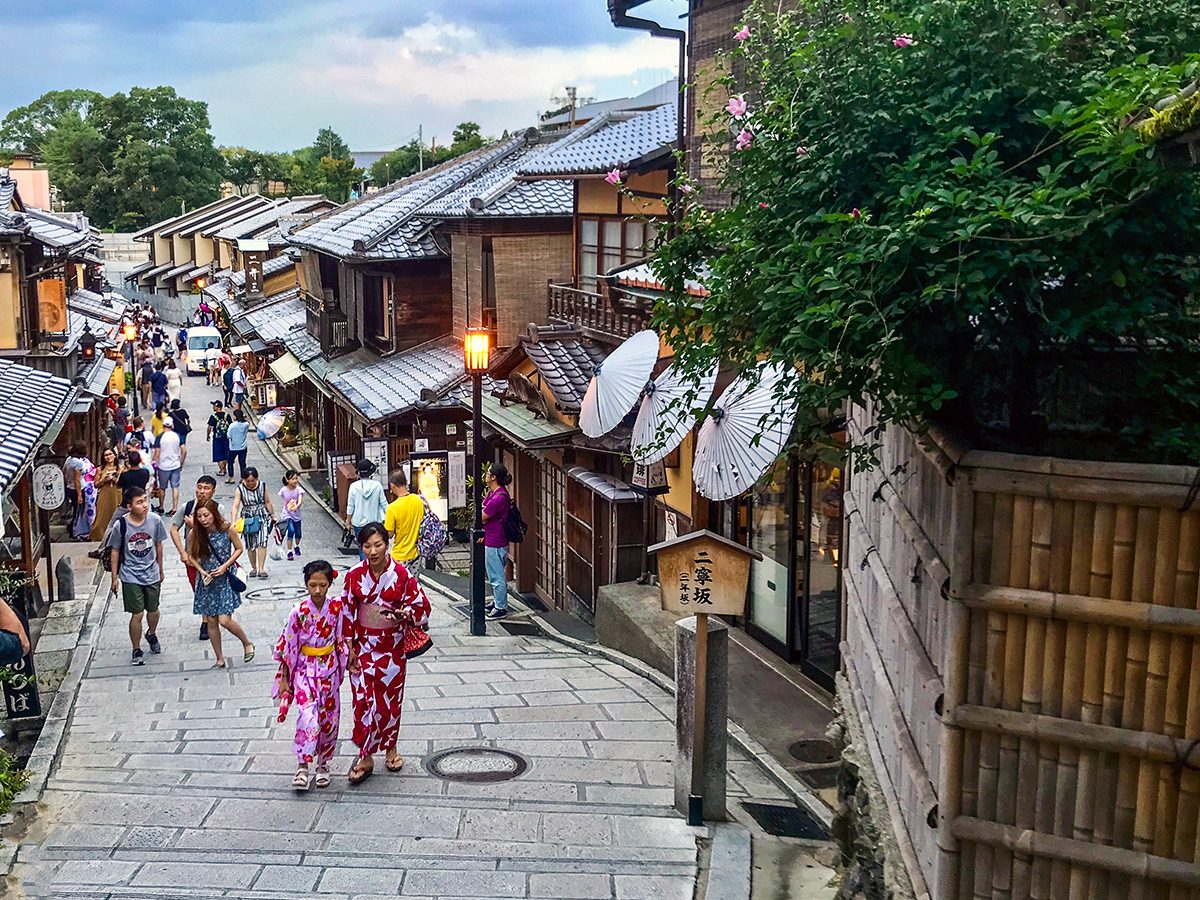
(198, 340)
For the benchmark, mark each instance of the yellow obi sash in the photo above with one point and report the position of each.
(308, 650)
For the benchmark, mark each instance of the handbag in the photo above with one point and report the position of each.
(431, 535)
(237, 579)
(415, 642)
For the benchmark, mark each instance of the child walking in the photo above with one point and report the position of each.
(291, 495)
(313, 657)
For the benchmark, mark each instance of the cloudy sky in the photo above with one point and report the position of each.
(273, 73)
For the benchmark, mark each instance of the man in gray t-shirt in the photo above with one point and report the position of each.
(135, 543)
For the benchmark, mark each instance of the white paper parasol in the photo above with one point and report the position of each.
(744, 435)
(270, 423)
(668, 412)
(617, 384)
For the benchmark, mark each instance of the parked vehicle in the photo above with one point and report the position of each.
(199, 337)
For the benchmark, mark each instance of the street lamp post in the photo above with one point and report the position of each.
(129, 331)
(475, 353)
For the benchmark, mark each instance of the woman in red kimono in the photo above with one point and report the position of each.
(383, 600)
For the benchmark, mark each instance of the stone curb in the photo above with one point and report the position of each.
(729, 863)
(49, 743)
(740, 737)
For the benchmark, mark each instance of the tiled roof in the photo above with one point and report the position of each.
(273, 320)
(250, 205)
(31, 401)
(54, 232)
(301, 343)
(169, 224)
(109, 308)
(133, 273)
(96, 375)
(496, 192)
(613, 141)
(268, 219)
(656, 96)
(382, 225)
(8, 189)
(151, 274)
(181, 269)
(566, 366)
(641, 275)
(393, 385)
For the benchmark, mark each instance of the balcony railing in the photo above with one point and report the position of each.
(328, 324)
(592, 313)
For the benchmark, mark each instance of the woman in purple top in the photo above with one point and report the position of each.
(495, 543)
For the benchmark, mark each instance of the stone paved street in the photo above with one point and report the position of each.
(174, 779)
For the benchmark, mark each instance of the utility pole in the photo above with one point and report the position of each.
(420, 148)
(571, 96)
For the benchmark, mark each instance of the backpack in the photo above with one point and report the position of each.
(514, 525)
(431, 536)
(106, 559)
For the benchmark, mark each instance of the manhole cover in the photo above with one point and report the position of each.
(279, 592)
(815, 751)
(479, 765)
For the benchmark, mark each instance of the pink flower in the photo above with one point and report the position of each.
(802, 151)
(613, 177)
(743, 34)
(686, 189)
(903, 40)
(762, 205)
(736, 106)
(745, 138)
(856, 213)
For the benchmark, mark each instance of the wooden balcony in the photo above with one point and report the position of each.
(328, 324)
(592, 314)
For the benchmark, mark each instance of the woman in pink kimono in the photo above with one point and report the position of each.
(313, 657)
(389, 610)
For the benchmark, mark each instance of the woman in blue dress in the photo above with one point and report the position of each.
(213, 549)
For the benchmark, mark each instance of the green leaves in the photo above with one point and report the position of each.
(1012, 224)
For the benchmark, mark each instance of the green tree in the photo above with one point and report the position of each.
(338, 176)
(467, 137)
(330, 143)
(399, 163)
(939, 207)
(139, 157)
(26, 129)
(241, 166)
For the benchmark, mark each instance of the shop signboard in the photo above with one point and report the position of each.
(429, 477)
(649, 479)
(21, 700)
(377, 452)
(457, 476)
(49, 489)
(703, 572)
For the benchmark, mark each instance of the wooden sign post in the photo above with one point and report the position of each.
(702, 573)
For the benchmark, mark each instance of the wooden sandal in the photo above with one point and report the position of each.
(361, 771)
(300, 781)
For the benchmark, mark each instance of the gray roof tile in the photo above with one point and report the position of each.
(566, 366)
(612, 141)
(55, 232)
(382, 225)
(495, 192)
(109, 308)
(268, 219)
(272, 321)
(31, 401)
(272, 266)
(393, 386)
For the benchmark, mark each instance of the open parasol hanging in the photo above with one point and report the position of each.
(617, 383)
(667, 414)
(744, 434)
(270, 423)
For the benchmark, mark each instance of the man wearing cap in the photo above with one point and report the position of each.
(218, 433)
(169, 456)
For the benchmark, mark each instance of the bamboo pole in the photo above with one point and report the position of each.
(1092, 574)
(1102, 798)
(1183, 712)
(1157, 802)
(1058, 487)
(1072, 607)
(1145, 533)
(993, 693)
(1013, 792)
(1126, 863)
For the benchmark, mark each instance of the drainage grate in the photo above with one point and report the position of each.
(477, 765)
(787, 821)
(277, 592)
(519, 627)
(816, 751)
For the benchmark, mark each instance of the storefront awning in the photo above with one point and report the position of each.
(611, 489)
(286, 368)
(521, 426)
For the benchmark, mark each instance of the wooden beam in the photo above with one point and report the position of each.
(1074, 607)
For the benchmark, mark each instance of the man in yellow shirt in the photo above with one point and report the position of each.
(403, 520)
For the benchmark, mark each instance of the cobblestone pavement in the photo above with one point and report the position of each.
(174, 779)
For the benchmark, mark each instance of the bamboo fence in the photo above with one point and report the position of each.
(1024, 638)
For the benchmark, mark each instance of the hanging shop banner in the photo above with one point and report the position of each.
(377, 452)
(49, 489)
(21, 699)
(457, 478)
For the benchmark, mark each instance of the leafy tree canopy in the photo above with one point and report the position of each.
(939, 209)
(26, 129)
(406, 160)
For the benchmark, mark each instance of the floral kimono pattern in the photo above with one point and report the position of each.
(378, 686)
(85, 517)
(314, 681)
